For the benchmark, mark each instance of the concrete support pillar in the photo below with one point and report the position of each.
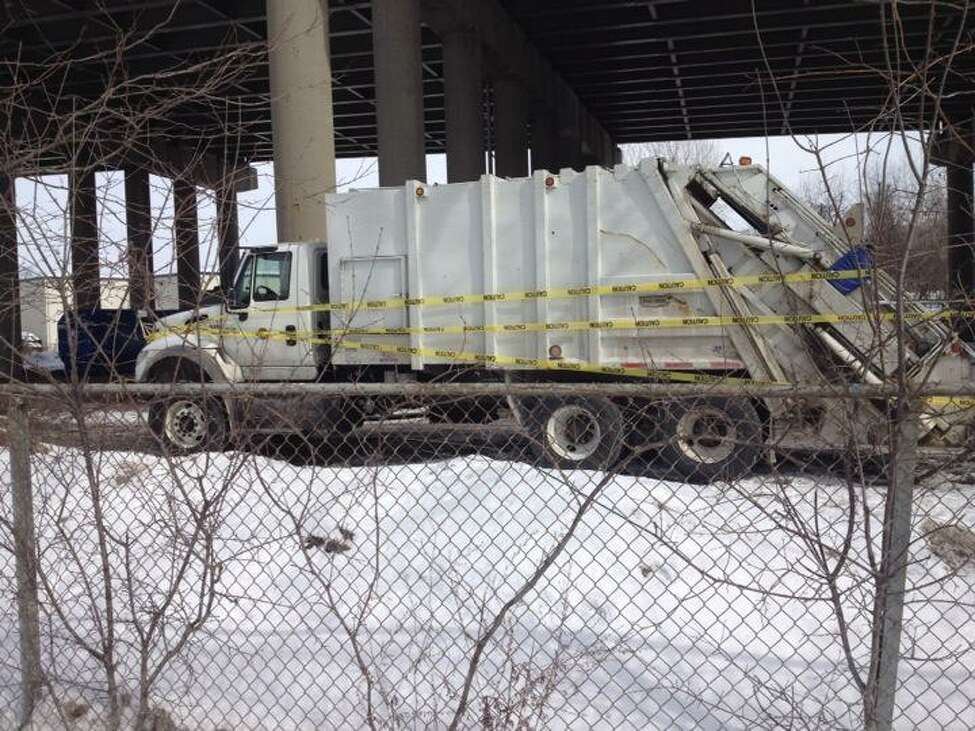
(463, 98)
(544, 140)
(138, 226)
(9, 283)
(961, 239)
(301, 115)
(228, 234)
(961, 256)
(187, 244)
(85, 272)
(570, 134)
(510, 128)
(570, 152)
(396, 52)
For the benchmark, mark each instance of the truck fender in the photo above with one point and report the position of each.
(217, 366)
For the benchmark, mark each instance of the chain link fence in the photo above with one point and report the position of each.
(484, 557)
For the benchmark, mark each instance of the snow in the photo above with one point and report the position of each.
(641, 623)
(43, 360)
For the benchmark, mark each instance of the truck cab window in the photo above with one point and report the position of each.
(272, 277)
(263, 278)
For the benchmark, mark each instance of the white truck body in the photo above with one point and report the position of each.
(600, 227)
(629, 225)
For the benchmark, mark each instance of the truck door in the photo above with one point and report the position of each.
(261, 317)
(370, 278)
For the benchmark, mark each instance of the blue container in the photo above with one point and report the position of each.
(106, 342)
(858, 259)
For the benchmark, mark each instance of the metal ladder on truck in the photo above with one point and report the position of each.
(789, 237)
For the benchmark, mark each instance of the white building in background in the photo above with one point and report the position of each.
(42, 300)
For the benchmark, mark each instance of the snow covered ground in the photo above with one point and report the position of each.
(674, 606)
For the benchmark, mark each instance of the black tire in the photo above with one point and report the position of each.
(575, 432)
(709, 439)
(189, 424)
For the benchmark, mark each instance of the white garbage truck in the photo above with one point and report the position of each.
(651, 273)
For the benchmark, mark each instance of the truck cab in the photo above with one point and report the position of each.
(246, 338)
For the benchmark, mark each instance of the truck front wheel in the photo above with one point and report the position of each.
(576, 433)
(187, 424)
(709, 439)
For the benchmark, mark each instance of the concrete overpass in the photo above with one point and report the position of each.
(199, 90)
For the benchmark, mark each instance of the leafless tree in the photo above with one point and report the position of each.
(266, 569)
(680, 152)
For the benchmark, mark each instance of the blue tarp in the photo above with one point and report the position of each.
(107, 341)
(858, 259)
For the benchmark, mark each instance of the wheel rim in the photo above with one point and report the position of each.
(185, 424)
(573, 433)
(706, 435)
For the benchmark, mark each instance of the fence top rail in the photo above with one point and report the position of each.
(96, 391)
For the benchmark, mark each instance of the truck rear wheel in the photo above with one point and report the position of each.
(710, 438)
(188, 424)
(575, 432)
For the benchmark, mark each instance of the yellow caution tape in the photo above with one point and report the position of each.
(471, 357)
(626, 323)
(956, 402)
(669, 285)
(657, 323)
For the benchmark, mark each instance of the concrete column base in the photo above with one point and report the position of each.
(510, 129)
(961, 241)
(544, 141)
(463, 98)
(138, 226)
(10, 327)
(301, 115)
(396, 51)
(228, 252)
(85, 271)
(187, 244)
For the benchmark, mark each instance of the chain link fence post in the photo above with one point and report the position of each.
(891, 583)
(25, 550)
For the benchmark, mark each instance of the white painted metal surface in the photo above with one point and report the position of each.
(601, 227)
(598, 227)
